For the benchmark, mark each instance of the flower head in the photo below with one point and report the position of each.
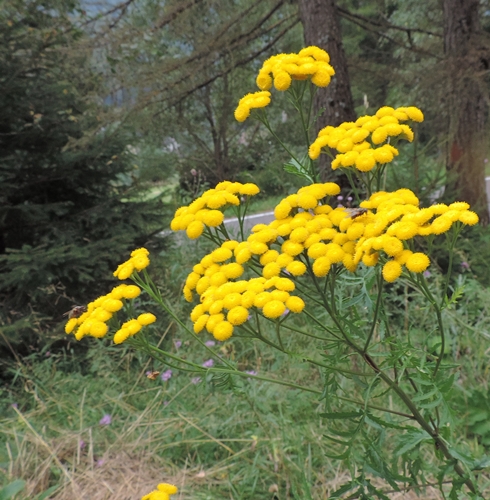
(356, 142)
(163, 492)
(280, 71)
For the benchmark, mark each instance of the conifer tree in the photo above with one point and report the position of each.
(63, 172)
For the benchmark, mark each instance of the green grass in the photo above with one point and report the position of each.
(233, 443)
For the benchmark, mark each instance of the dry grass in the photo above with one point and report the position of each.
(207, 444)
(130, 468)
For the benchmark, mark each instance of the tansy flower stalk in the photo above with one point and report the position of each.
(206, 211)
(94, 321)
(368, 144)
(311, 68)
(308, 237)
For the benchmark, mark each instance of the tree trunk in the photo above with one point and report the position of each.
(321, 27)
(467, 60)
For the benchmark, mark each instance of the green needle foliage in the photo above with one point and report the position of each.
(67, 176)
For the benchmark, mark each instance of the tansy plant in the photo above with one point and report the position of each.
(339, 269)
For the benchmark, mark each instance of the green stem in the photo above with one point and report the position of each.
(152, 290)
(376, 311)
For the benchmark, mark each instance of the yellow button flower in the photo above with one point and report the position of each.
(223, 331)
(274, 309)
(392, 270)
(417, 262)
(146, 319)
(237, 315)
(163, 492)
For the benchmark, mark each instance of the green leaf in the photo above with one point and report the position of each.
(481, 463)
(410, 440)
(383, 423)
(46, 494)
(296, 168)
(12, 489)
(344, 489)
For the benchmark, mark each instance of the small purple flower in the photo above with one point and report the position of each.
(251, 372)
(340, 197)
(178, 344)
(209, 363)
(100, 462)
(196, 380)
(15, 405)
(210, 343)
(81, 444)
(105, 420)
(48, 354)
(465, 265)
(165, 403)
(193, 172)
(286, 312)
(349, 198)
(166, 375)
(427, 274)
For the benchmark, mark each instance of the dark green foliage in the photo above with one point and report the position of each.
(67, 179)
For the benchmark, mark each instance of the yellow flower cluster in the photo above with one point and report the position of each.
(354, 141)
(398, 219)
(226, 303)
(139, 260)
(163, 492)
(93, 321)
(308, 235)
(250, 101)
(280, 70)
(205, 210)
(133, 326)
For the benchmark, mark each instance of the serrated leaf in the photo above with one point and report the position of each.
(384, 423)
(431, 404)
(296, 168)
(467, 460)
(425, 395)
(344, 489)
(410, 440)
(481, 463)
